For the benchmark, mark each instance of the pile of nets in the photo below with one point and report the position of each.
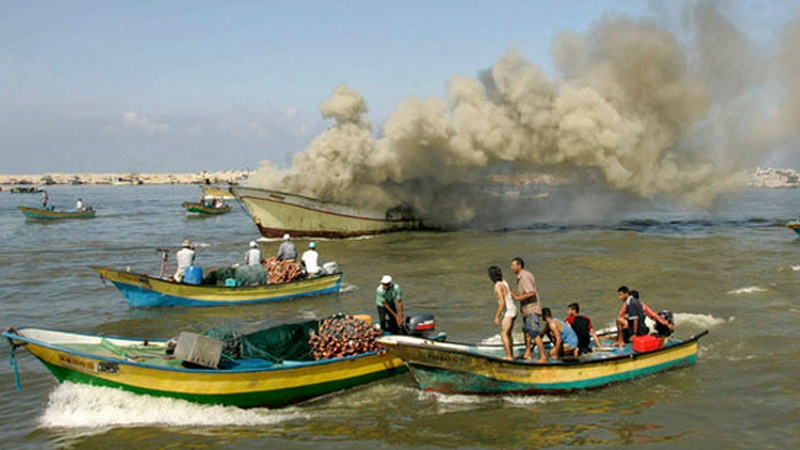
(341, 335)
(282, 271)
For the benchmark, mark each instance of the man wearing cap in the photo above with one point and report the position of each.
(287, 250)
(389, 299)
(311, 259)
(253, 256)
(185, 257)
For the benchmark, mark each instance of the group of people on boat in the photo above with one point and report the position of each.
(309, 263)
(571, 336)
(45, 200)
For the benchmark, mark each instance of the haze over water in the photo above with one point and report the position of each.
(734, 271)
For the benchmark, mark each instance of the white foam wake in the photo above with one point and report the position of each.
(81, 406)
(796, 268)
(747, 290)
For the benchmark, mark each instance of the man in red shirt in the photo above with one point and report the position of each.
(582, 326)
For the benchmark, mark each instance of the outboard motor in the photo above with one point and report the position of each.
(420, 325)
(663, 330)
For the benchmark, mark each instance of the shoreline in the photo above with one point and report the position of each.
(75, 178)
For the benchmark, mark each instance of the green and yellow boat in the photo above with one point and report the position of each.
(481, 370)
(145, 366)
(142, 290)
(48, 214)
(205, 209)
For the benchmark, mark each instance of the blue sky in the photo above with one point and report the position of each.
(181, 86)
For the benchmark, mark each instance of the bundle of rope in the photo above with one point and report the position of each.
(282, 271)
(341, 335)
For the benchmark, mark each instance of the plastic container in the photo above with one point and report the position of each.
(230, 282)
(646, 343)
(193, 275)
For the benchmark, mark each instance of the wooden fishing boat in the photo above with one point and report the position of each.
(142, 290)
(276, 213)
(203, 209)
(794, 225)
(47, 214)
(481, 369)
(144, 366)
(25, 190)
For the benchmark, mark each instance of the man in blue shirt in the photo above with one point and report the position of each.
(389, 299)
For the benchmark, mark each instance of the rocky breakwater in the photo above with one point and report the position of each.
(220, 177)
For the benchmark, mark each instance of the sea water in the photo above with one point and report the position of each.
(734, 271)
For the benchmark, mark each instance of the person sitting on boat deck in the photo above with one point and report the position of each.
(505, 307)
(563, 338)
(582, 326)
(185, 257)
(79, 205)
(529, 306)
(217, 203)
(389, 299)
(663, 326)
(287, 250)
(310, 260)
(631, 322)
(252, 257)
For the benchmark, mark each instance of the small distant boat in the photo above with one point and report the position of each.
(25, 190)
(480, 369)
(142, 290)
(145, 366)
(205, 209)
(794, 225)
(276, 213)
(47, 214)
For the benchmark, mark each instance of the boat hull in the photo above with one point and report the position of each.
(460, 369)
(199, 208)
(276, 213)
(45, 214)
(265, 385)
(794, 226)
(145, 291)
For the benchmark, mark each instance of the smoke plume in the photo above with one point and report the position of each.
(633, 110)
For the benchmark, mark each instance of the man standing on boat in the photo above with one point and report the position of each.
(529, 307)
(287, 250)
(79, 205)
(185, 257)
(45, 199)
(253, 256)
(389, 298)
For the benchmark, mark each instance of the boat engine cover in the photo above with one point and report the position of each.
(420, 324)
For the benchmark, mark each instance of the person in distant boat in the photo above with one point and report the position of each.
(505, 308)
(79, 205)
(582, 326)
(45, 199)
(630, 323)
(564, 339)
(389, 299)
(529, 306)
(218, 203)
(310, 259)
(253, 256)
(185, 257)
(287, 250)
(663, 326)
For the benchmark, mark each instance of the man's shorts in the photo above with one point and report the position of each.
(530, 325)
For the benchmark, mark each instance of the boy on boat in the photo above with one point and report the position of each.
(564, 339)
(582, 326)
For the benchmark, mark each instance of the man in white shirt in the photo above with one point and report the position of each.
(79, 205)
(311, 259)
(253, 256)
(185, 257)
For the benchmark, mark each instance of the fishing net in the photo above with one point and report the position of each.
(341, 335)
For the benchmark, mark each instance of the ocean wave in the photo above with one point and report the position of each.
(747, 290)
(700, 320)
(796, 268)
(82, 406)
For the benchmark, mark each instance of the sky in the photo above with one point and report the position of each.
(185, 86)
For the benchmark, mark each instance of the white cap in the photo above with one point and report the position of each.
(253, 244)
(286, 237)
(386, 279)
